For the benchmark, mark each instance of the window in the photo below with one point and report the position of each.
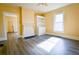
(59, 23)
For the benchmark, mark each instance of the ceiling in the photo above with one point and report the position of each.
(42, 9)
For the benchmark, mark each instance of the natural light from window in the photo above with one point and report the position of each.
(49, 43)
(59, 23)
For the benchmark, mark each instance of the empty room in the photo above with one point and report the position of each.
(39, 28)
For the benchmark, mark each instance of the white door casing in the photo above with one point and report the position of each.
(5, 23)
(41, 25)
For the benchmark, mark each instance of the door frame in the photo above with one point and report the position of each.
(38, 24)
(5, 23)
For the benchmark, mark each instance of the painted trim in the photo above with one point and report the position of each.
(21, 36)
(2, 39)
(5, 23)
(65, 36)
(54, 22)
(29, 37)
(4, 27)
(10, 14)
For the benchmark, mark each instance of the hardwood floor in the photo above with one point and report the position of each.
(39, 45)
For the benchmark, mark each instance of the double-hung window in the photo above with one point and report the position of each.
(59, 23)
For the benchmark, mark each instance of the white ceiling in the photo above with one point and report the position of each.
(42, 9)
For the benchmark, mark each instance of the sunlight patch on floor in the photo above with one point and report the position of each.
(49, 43)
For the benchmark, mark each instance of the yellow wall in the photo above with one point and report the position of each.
(1, 24)
(6, 8)
(25, 15)
(21, 25)
(9, 23)
(71, 20)
(28, 18)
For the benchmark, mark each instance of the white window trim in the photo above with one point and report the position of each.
(54, 23)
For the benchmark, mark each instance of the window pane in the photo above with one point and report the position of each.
(58, 25)
(59, 18)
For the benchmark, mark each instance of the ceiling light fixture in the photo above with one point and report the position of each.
(42, 4)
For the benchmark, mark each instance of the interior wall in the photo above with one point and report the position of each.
(12, 24)
(9, 24)
(25, 15)
(6, 8)
(1, 25)
(71, 20)
(28, 19)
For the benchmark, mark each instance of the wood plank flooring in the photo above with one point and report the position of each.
(15, 46)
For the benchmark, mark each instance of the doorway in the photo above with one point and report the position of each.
(40, 25)
(11, 24)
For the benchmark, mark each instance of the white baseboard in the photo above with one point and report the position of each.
(21, 36)
(3, 38)
(66, 36)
